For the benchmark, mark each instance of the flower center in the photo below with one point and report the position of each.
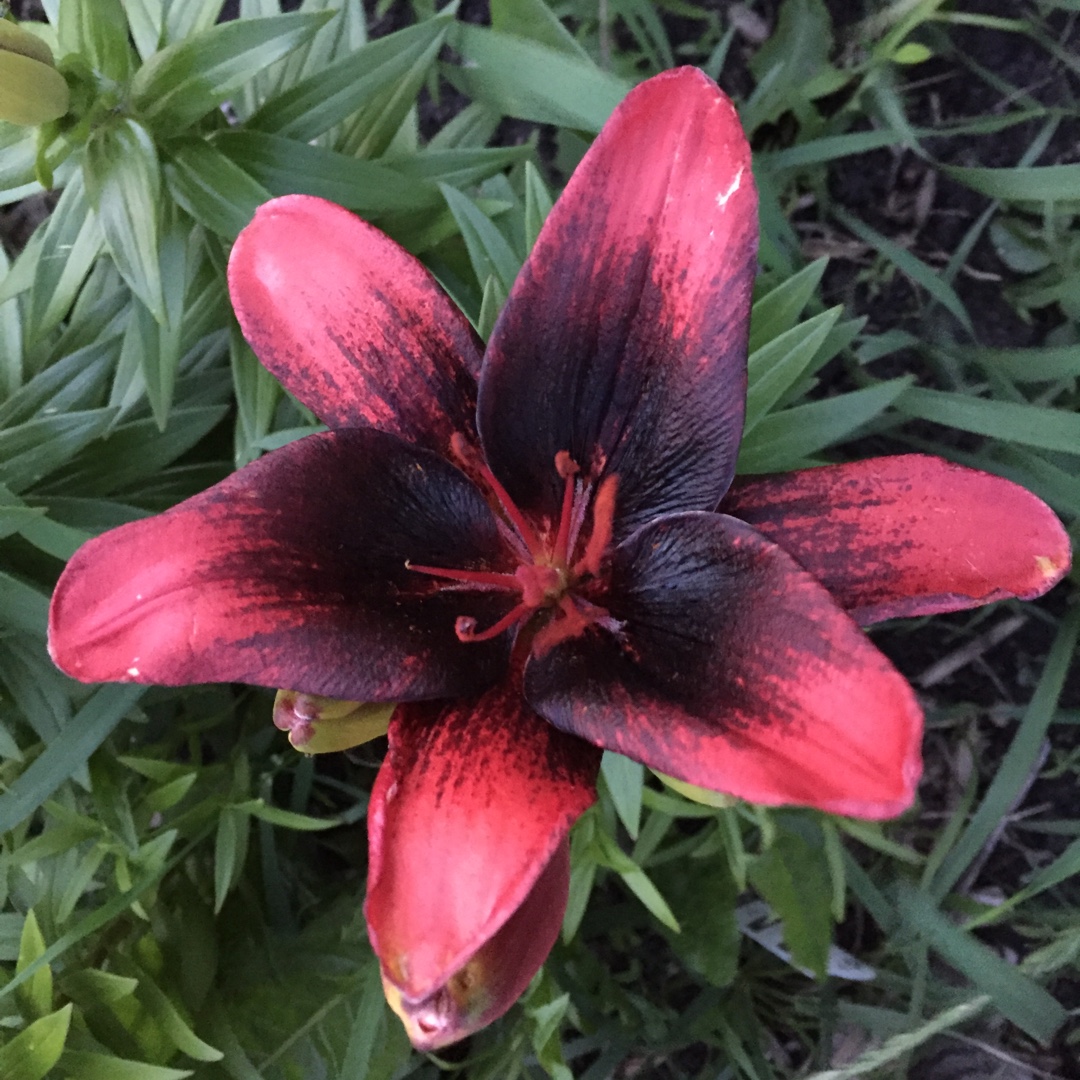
(552, 574)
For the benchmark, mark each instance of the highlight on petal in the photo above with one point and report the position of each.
(498, 973)
(734, 670)
(469, 810)
(623, 342)
(352, 324)
(322, 725)
(908, 535)
(292, 572)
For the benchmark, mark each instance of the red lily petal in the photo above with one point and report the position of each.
(498, 973)
(908, 535)
(469, 807)
(292, 573)
(624, 337)
(734, 670)
(352, 324)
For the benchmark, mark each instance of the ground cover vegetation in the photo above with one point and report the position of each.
(181, 890)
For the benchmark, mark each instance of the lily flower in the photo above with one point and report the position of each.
(537, 550)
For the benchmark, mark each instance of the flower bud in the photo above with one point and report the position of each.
(321, 725)
(32, 91)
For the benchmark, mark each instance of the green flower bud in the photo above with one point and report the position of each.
(32, 91)
(321, 725)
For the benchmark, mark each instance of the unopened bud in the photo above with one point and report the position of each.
(322, 725)
(32, 91)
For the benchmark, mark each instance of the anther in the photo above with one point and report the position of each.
(603, 524)
(567, 468)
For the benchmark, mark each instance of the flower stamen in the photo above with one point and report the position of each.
(544, 577)
(468, 456)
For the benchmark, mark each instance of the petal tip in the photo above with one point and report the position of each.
(488, 983)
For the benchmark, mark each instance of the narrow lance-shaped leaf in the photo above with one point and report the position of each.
(71, 243)
(98, 32)
(186, 80)
(32, 1053)
(523, 78)
(334, 94)
(123, 181)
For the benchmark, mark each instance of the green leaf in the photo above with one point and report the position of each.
(25, 609)
(779, 309)
(137, 450)
(343, 34)
(160, 357)
(776, 367)
(538, 204)
(785, 439)
(36, 994)
(37, 448)
(1045, 364)
(257, 395)
(1035, 184)
(145, 19)
(792, 876)
(11, 338)
(70, 750)
(705, 900)
(1016, 997)
(214, 190)
(636, 880)
(285, 166)
(33, 1052)
(534, 20)
(71, 243)
(903, 1044)
(184, 81)
(1012, 775)
(1010, 421)
(189, 17)
(73, 383)
(172, 1023)
(489, 251)
(913, 267)
(123, 182)
(365, 1027)
(490, 305)
(285, 818)
(625, 780)
(460, 168)
(87, 1065)
(98, 33)
(92, 987)
(532, 81)
(230, 851)
(356, 82)
(790, 64)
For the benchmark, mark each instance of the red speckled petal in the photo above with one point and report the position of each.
(908, 535)
(292, 573)
(625, 334)
(735, 671)
(469, 807)
(352, 324)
